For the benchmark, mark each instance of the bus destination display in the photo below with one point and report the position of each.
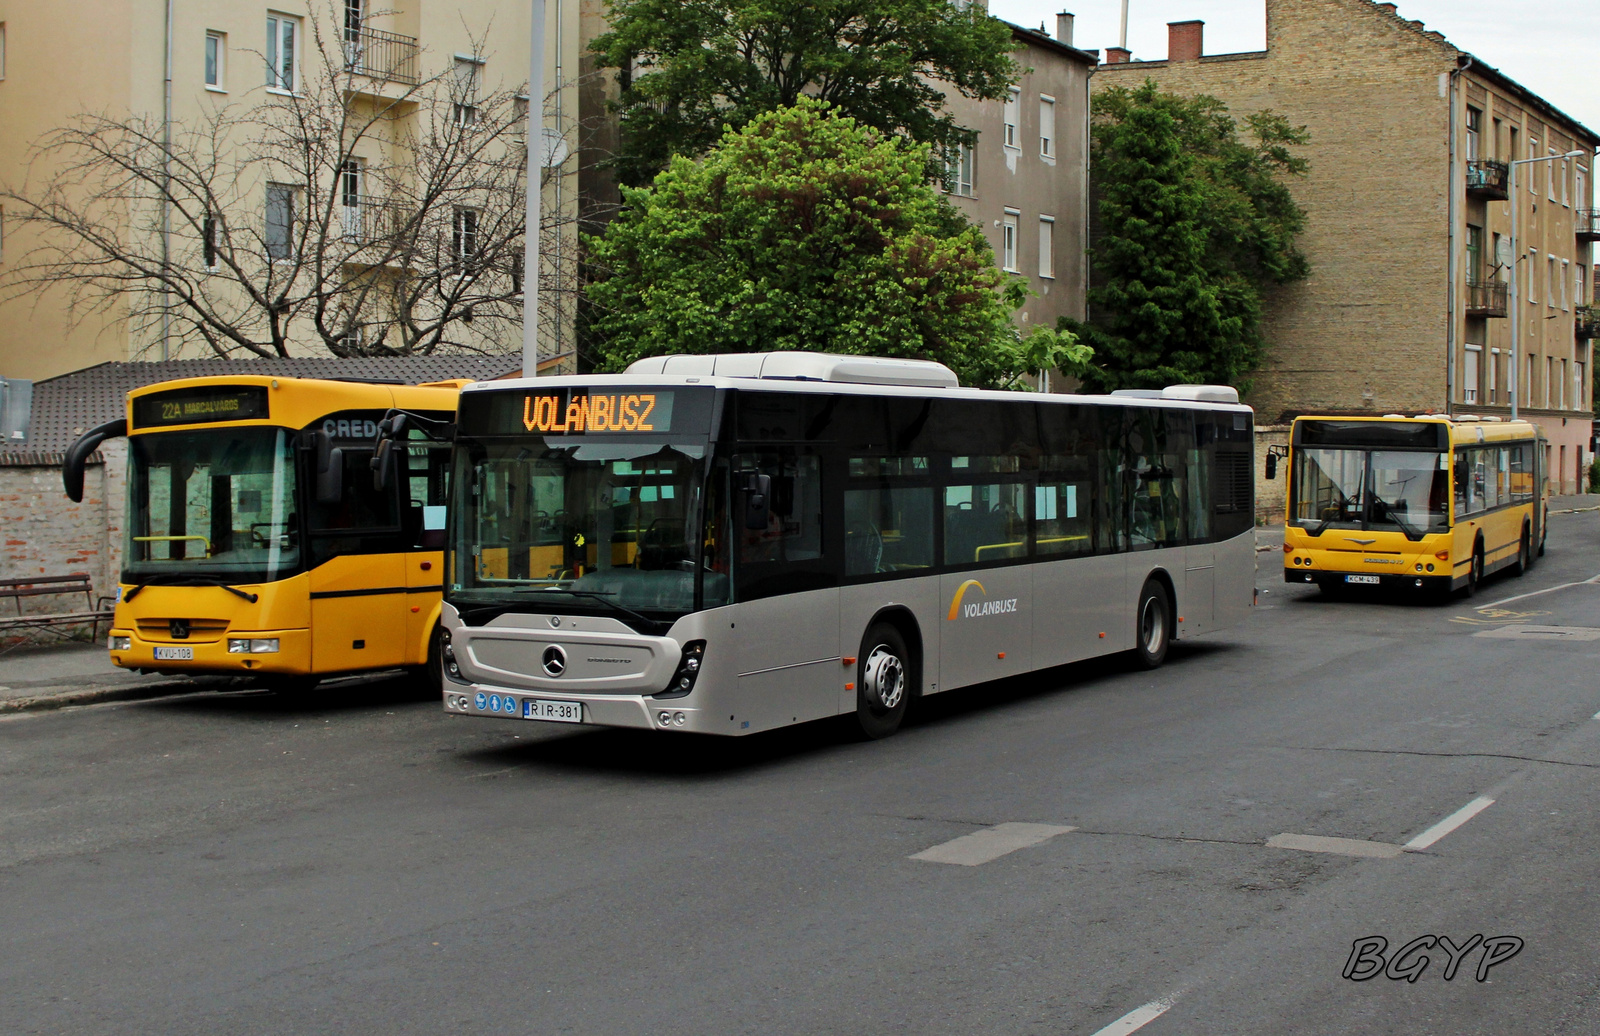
(579, 411)
(200, 406)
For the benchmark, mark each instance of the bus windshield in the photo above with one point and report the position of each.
(599, 528)
(211, 507)
(1395, 490)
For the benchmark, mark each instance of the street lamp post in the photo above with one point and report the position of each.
(530, 242)
(1516, 259)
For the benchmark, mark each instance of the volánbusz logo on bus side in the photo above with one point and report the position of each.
(978, 609)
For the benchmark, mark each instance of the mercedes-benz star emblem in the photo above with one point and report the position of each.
(555, 660)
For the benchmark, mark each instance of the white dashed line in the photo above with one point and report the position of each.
(1341, 846)
(990, 844)
(1138, 1018)
(1450, 823)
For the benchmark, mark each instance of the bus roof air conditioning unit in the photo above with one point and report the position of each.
(804, 366)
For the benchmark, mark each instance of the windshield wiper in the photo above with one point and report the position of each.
(1411, 534)
(191, 581)
(598, 595)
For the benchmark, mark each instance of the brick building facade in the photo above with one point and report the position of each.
(1408, 223)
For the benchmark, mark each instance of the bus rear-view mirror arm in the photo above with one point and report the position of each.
(330, 468)
(1273, 453)
(78, 455)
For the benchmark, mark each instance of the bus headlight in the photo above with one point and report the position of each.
(688, 670)
(448, 653)
(121, 643)
(252, 646)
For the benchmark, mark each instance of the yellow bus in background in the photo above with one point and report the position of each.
(257, 541)
(1425, 504)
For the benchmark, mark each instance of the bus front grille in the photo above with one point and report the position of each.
(200, 631)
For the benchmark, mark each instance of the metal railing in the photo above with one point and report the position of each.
(1487, 177)
(382, 55)
(1486, 298)
(365, 220)
(1587, 222)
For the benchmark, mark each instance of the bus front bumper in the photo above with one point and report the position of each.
(1411, 583)
(639, 712)
(212, 657)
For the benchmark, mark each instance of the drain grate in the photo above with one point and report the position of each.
(1531, 632)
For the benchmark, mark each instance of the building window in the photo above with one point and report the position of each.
(1528, 389)
(1533, 170)
(1013, 116)
(1474, 130)
(1047, 127)
(208, 244)
(1047, 247)
(216, 54)
(1580, 193)
(1565, 266)
(958, 171)
(1494, 376)
(463, 237)
(1555, 171)
(2, 50)
(353, 17)
(1550, 281)
(283, 52)
(468, 73)
(1580, 285)
(1474, 254)
(1561, 400)
(1008, 241)
(280, 221)
(1469, 374)
(1494, 141)
(1549, 376)
(1533, 265)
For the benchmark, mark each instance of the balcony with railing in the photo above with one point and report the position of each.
(365, 220)
(385, 56)
(1487, 178)
(1588, 224)
(1587, 322)
(1486, 298)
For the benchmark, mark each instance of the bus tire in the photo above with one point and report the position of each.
(1474, 571)
(1152, 630)
(885, 675)
(430, 674)
(1524, 553)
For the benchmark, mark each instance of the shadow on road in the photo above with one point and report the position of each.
(333, 696)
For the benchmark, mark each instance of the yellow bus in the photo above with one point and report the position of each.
(1426, 504)
(257, 541)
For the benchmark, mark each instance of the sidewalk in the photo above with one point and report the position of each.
(57, 675)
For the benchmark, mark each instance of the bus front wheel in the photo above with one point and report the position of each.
(1474, 572)
(1153, 632)
(884, 681)
(1524, 553)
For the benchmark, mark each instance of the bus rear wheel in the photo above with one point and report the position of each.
(1524, 554)
(1153, 626)
(885, 674)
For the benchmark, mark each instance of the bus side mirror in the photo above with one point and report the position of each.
(330, 468)
(382, 464)
(1272, 465)
(757, 500)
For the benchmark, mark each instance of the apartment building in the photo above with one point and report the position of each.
(1416, 280)
(1026, 181)
(58, 60)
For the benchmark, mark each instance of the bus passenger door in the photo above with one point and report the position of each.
(358, 577)
(424, 492)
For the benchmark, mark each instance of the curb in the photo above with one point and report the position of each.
(95, 696)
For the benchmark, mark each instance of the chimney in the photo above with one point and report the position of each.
(1185, 40)
(1390, 8)
(1117, 55)
(1064, 28)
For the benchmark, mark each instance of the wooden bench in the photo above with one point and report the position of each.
(95, 611)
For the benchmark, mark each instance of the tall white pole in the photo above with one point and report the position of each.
(530, 246)
(1516, 314)
(1123, 39)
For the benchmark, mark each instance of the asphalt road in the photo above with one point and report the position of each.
(230, 863)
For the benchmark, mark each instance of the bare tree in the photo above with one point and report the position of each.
(367, 209)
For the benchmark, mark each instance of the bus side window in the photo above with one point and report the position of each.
(1463, 480)
(794, 513)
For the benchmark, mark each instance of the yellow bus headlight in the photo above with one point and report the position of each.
(121, 643)
(243, 646)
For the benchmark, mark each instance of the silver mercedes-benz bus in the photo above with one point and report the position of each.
(728, 544)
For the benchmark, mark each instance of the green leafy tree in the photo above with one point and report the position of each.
(689, 69)
(805, 230)
(1195, 222)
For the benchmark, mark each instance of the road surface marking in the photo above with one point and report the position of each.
(1450, 823)
(1138, 1018)
(1533, 632)
(1341, 846)
(1547, 590)
(990, 844)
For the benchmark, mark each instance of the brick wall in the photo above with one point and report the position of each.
(42, 533)
(1367, 330)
